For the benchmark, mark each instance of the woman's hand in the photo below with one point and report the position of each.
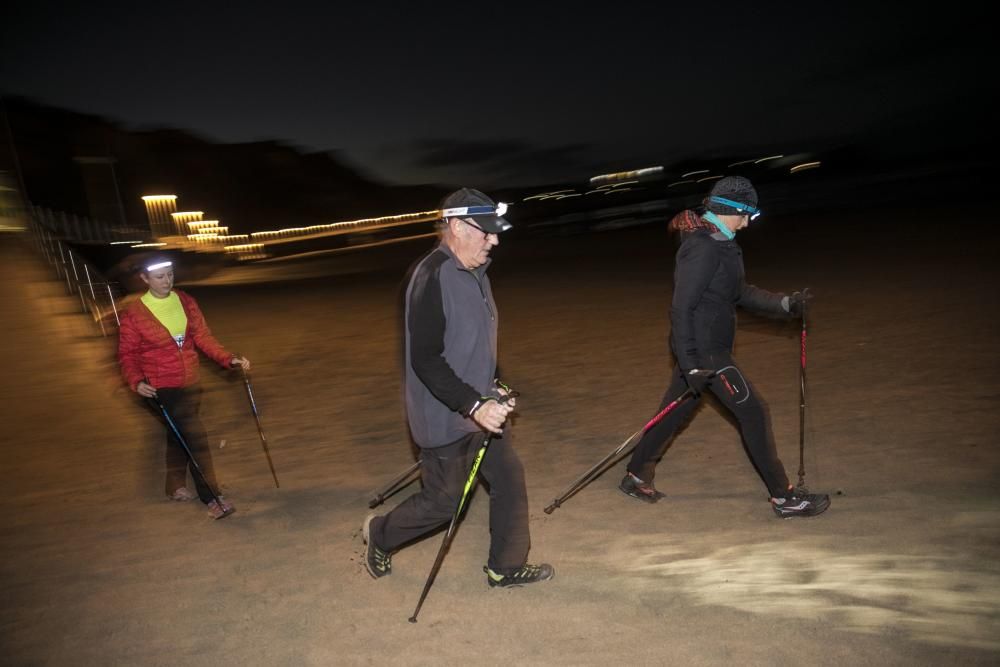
(145, 389)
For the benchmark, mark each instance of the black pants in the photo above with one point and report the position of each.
(444, 471)
(183, 405)
(738, 396)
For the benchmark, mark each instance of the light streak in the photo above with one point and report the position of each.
(804, 166)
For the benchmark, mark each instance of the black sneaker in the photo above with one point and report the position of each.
(800, 503)
(526, 574)
(635, 487)
(378, 562)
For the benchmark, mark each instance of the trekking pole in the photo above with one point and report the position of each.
(187, 450)
(260, 430)
(446, 542)
(802, 395)
(590, 475)
(380, 496)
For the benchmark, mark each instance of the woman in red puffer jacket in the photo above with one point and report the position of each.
(159, 339)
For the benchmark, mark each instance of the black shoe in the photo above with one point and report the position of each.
(526, 574)
(378, 562)
(635, 487)
(800, 503)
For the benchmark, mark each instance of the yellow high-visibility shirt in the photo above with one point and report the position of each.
(170, 313)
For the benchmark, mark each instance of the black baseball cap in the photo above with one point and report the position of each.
(469, 203)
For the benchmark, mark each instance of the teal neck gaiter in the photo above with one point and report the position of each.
(714, 219)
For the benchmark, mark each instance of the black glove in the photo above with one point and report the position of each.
(698, 380)
(797, 302)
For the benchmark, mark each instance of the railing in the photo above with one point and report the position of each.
(98, 296)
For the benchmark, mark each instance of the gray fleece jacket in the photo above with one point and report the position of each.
(451, 347)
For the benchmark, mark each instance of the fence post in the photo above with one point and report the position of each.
(76, 277)
(48, 247)
(93, 295)
(62, 259)
(111, 298)
(57, 245)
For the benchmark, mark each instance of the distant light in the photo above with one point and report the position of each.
(708, 178)
(245, 247)
(202, 224)
(183, 213)
(347, 226)
(692, 173)
(153, 198)
(213, 233)
(680, 183)
(741, 162)
(123, 242)
(545, 195)
(803, 167)
(626, 175)
(148, 245)
(770, 157)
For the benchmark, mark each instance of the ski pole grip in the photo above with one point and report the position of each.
(509, 395)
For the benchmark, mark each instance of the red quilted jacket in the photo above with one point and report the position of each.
(146, 350)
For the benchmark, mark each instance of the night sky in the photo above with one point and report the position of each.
(510, 93)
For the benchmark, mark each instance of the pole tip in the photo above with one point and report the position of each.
(413, 619)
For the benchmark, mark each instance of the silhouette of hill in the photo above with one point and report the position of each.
(248, 186)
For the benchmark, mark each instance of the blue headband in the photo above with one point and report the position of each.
(742, 208)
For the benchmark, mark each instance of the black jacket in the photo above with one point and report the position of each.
(709, 283)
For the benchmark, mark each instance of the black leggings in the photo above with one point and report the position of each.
(444, 471)
(739, 397)
(183, 405)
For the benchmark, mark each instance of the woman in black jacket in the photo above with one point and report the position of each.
(708, 285)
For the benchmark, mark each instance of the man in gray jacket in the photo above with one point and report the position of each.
(451, 397)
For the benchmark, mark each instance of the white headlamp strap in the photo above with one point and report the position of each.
(158, 265)
(461, 211)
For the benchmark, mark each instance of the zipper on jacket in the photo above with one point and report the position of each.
(482, 292)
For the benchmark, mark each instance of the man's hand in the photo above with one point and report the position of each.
(145, 389)
(240, 361)
(492, 414)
